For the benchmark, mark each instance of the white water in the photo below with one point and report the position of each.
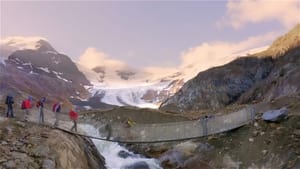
(110, 150)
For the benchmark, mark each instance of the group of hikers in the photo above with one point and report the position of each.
(27, 104)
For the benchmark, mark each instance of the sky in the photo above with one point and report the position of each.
(151, 34)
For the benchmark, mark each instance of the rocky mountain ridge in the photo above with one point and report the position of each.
(264, 76)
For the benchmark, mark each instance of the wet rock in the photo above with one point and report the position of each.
(138, 165)
(275, 115)
(125, 154)
(48, 164)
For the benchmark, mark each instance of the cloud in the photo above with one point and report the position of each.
(10, 44)
(218, 53)
(21, 42)
(92, 58)
(240, 13)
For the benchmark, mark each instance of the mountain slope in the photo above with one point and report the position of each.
(265, 76)
(42, 71)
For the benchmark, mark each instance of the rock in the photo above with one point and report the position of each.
(255, 133)
(173, 158)
(138, 165)
(48, 164)
(41, 151)
(264, 152)
(4, 143)
(186, 148)
(10, 164)
(19, 155)
(125, 154)
(212, 138)
(21, 124)
(251, 139)
(8, 130)
(275, 115)
(297, 132)
(204, 147)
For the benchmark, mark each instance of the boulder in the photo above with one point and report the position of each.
(275, 115)
(48, 164)
(125, 154)
(138, 165)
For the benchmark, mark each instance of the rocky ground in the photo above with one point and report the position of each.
(32, 146)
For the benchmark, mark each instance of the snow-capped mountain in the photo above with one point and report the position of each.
(38, 69)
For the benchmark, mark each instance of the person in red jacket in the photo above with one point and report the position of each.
(74, 117)
(26, 105)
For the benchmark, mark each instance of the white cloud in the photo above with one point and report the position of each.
(240, 13)
(92, 58)
(10, 44)
(21, 42)
(213, 54)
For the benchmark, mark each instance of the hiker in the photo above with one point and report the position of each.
(26, 105)
(56, 109)
(74, 117)
(109, 130)
(40, 106)
(9, 102)
(129, 123)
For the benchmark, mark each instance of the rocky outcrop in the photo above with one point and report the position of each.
(265, 76)
(26, 145)
(219, 86)
(282, 81)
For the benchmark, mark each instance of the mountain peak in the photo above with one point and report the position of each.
(43, 45)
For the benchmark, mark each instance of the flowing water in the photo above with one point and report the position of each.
(111, 152)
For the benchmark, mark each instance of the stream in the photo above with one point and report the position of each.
(116, 156)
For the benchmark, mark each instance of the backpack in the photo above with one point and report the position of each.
(23, 106)
(9, 100)
(54, 107)
(38, 104)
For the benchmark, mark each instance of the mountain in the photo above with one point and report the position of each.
(263, 76)
(41, 71)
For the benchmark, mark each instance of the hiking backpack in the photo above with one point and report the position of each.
(23, 106)
(38, 104)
